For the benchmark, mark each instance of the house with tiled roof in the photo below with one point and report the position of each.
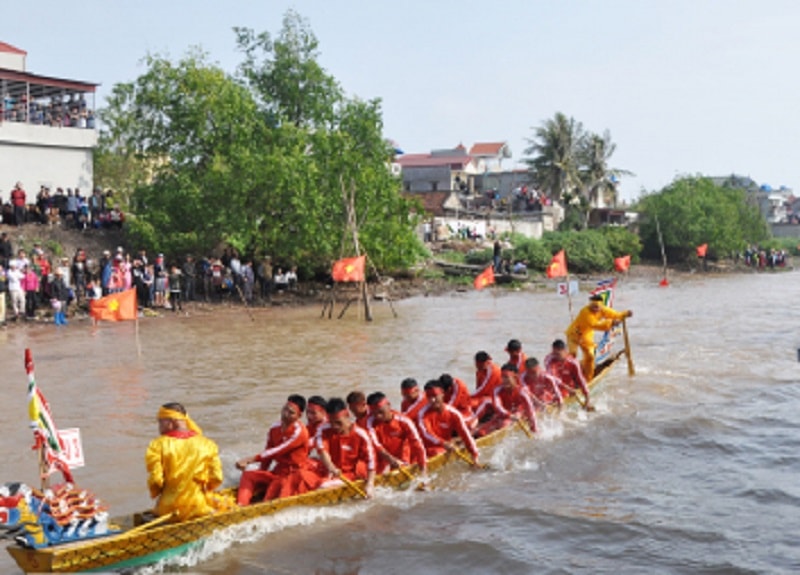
(47, 130)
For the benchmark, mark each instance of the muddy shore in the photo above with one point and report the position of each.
(427, 279)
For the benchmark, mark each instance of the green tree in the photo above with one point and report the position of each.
(554, 156)
(286, 75)
(264, 172)
(692, 211)
(597, 177)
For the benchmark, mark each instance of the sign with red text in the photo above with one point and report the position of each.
(73, 448)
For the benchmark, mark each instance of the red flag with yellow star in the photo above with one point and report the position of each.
(485, 278)
(558, 265)
(349, 269)
(115, 307)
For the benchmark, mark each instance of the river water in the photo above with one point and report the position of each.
(691, 466)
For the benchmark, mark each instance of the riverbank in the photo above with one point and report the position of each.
(425, 280)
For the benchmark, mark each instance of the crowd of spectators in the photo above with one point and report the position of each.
(761, 258)
(36, 280)
(71, 111)
(70, 208)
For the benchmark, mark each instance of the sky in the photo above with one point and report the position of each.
(683, 86)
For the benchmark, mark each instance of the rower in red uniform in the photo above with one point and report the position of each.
(345, 448)
(560, 364)
(545, 388)
(487, 378)
(441, 423)
(315, 416)
(357, 402)
(457, 395)
(516, 355)
(394, 436)
(287, 448)
(512, 401)
(413, 399)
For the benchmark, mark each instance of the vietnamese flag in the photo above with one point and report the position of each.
(701, 250)
(622, 264)
(115, 307)
(558, 265)
(349, 269)
(485, 278)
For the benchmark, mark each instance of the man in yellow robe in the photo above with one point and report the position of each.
(580, 332)
(183, 466)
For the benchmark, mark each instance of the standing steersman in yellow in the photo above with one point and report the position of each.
(580, 332)
(183, 466)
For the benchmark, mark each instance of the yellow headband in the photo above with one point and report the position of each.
(164, 413)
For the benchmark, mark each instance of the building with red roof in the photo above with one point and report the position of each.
(47, 128)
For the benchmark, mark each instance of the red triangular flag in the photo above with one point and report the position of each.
(558, 265)
(622, 264)
(349, 269)
(485, 278)
(701, 250)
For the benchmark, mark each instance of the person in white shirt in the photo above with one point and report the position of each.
(15, 291)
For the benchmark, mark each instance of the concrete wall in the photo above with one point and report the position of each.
(43, 155)
(528, 227)
(12, 61)
(421, 179)
(786, 230)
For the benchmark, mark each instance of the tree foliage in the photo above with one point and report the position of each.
(692, 211)
(571, 165)
(261, 162)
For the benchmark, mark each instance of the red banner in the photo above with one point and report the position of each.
(485, 278)
(115, 307)
(701, 250)
(349, 269)
(558, 265)
(622, 264)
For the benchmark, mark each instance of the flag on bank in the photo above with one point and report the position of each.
(485, 278)
(558, 265)
(622, 264)
(349, 269)
(115, 307)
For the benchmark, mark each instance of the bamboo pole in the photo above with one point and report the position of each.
(631, 369)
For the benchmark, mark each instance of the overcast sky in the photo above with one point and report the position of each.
(684, 86)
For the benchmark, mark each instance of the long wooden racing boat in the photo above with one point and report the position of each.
(141, 543)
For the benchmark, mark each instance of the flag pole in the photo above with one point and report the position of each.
(138, 341)
(664, 281)
(569, 291)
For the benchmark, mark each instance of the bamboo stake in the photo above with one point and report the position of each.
(631, 369)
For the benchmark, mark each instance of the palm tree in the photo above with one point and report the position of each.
(598, 179)
(554, 154)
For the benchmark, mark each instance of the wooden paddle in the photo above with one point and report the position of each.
(631, 369)
(354, 487)
(523, 426)
(468, 459)
(584, 404)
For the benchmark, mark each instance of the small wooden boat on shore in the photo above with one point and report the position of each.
(141, 542)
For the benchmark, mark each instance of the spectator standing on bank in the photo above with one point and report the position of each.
(3, 290)
(175, 288)
(6, 250)
(188, 271)
(265, 277)
(18, 202)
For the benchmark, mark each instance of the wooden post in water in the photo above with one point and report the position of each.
(628, 356)
(664, 281)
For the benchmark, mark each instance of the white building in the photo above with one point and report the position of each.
(47, 129)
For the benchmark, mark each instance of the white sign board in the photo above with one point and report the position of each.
(73, 449)
(561, 288)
